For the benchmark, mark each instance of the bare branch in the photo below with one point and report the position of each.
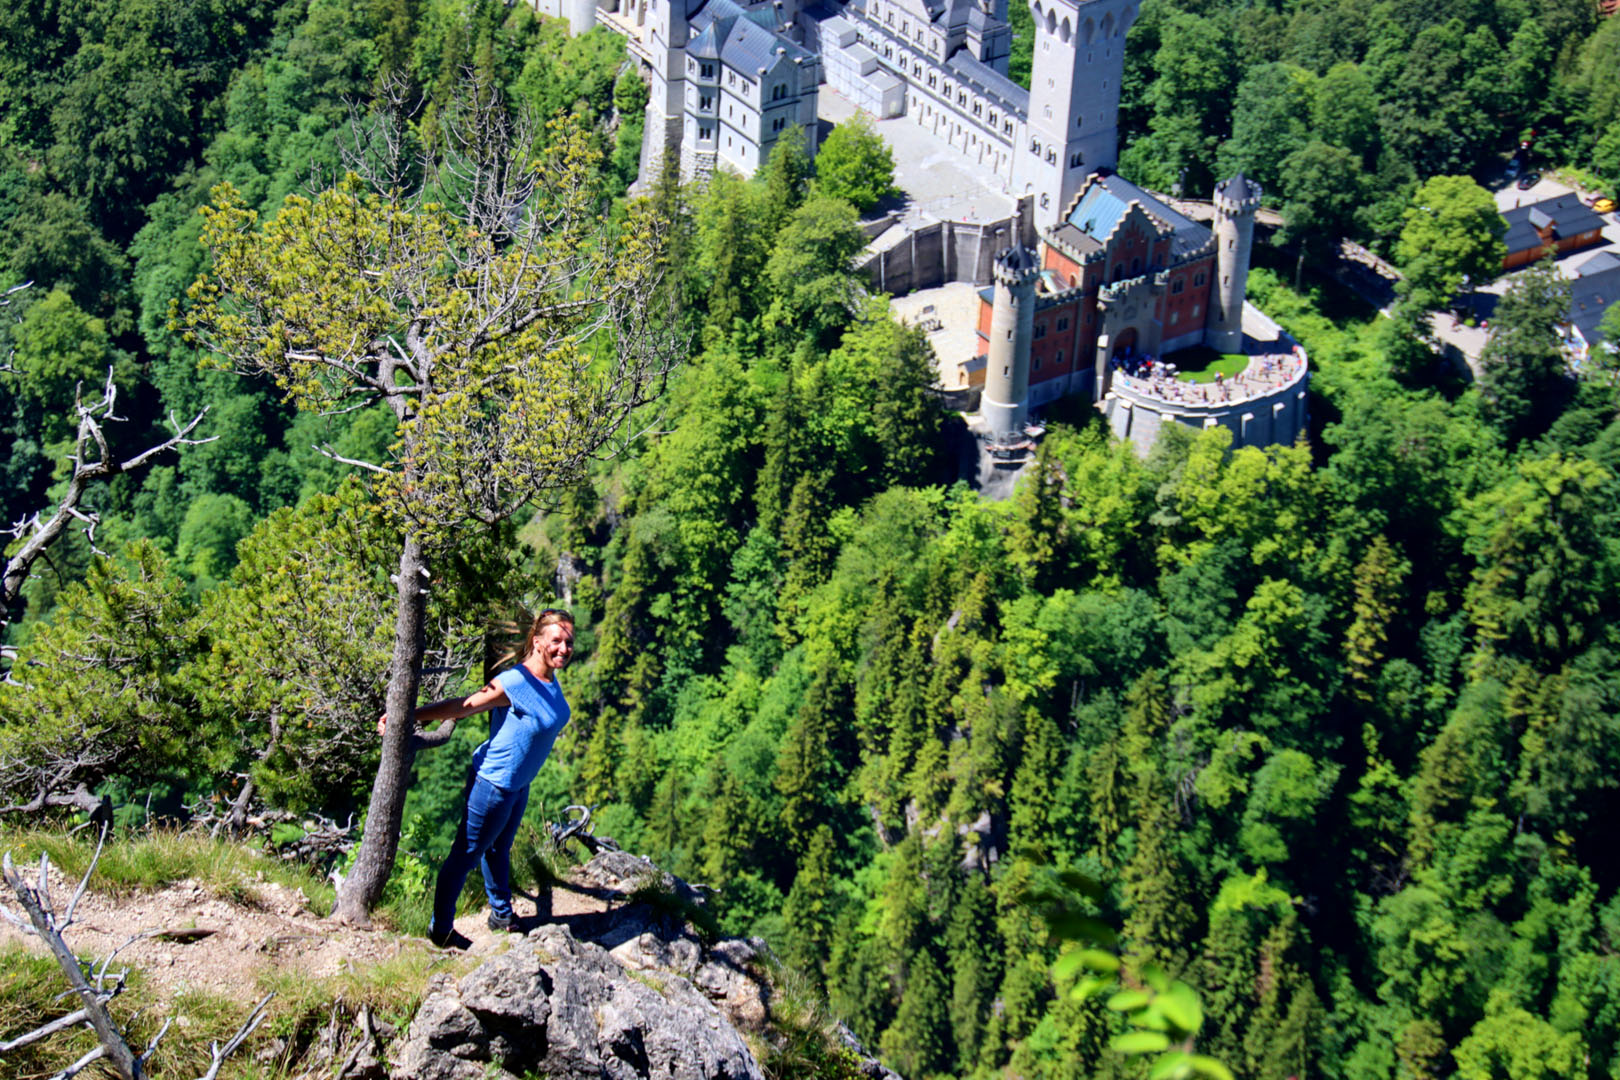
(45, 1031)
(74, 1069)
(328, 452)
(37, 905)
(67, 916)
(92, 461)
(220, 1053)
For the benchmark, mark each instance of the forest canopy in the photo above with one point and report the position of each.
(1337, 725)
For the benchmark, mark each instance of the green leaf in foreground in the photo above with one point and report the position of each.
(1140, 1042)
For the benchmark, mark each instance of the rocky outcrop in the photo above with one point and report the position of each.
(626, 987)
(560, 1007)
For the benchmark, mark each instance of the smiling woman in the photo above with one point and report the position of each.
(529, 713)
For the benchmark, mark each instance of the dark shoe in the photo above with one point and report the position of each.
(450, 940)
(502, 924)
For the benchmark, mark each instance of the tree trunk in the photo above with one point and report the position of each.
(360, 891)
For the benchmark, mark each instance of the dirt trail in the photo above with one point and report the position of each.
(275, 931)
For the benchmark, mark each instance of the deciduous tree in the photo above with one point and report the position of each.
(509, 332)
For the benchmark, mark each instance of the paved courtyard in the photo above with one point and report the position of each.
(956, 307)
(938, 181)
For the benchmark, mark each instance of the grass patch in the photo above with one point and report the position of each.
(1201, 364)
(295, 1022)
(155, 860)
(806, 1046)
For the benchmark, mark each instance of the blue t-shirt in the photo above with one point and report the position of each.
(521, 736)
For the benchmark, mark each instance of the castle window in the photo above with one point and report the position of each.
(707, 72)
(1051, 157)
(1034, 146)
(1178, 285)
(1119, 271)
(1063, 324)
(1074, 160)
(779, 123)
(779, 91)
(1059, 360)
(889, 17)
(1198, 279)
(905, 27)
(933, 80)
(978, 108)
(916, 68)
(992, 118)
(1196, 309)
(961, 97)
(705, 133)
(1046, 200)
(1048, 112)
(1007, 126)
(1040, 330)
(706, 102)
(1079, 121)
(1006, 370)
(1175, 317)
(1036, 364)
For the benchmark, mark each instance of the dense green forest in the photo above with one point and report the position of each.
(1338, 725)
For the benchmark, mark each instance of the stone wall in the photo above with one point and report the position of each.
(1275, 417)
(921, 256)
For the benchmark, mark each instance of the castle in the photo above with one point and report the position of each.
(1120, 276)
(728, 77)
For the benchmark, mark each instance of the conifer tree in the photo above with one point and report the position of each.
(805, 772)
(974, 957)
(811, 910)
(1378, 579)
(919, 1040)
(1158, 917)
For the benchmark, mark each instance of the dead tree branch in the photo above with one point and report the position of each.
(93, 461)
(91, 985)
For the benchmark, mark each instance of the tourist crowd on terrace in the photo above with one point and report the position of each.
(1264, 374)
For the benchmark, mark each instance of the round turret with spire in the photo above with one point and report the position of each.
(1004, 403)
(1236, 201)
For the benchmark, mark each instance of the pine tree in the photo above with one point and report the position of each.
(804, 771)
(1036, 535)
(975, 960)
(811, 910)
(1031, 803)
(1159, 919)
(918, 1042)
(1378, 580)
(729, 828)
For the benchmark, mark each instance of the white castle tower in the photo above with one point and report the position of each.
(1236, 200)
(1073, 128)
(1004, 402)
(667, 82)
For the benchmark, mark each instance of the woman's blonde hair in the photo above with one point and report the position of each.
(521, 634)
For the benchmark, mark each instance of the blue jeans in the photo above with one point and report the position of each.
(484, 839)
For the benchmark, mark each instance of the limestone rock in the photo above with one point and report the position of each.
(559, 1007)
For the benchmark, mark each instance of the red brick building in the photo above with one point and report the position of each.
(1124, 269)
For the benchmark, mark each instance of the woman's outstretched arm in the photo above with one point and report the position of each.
(453, 709)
